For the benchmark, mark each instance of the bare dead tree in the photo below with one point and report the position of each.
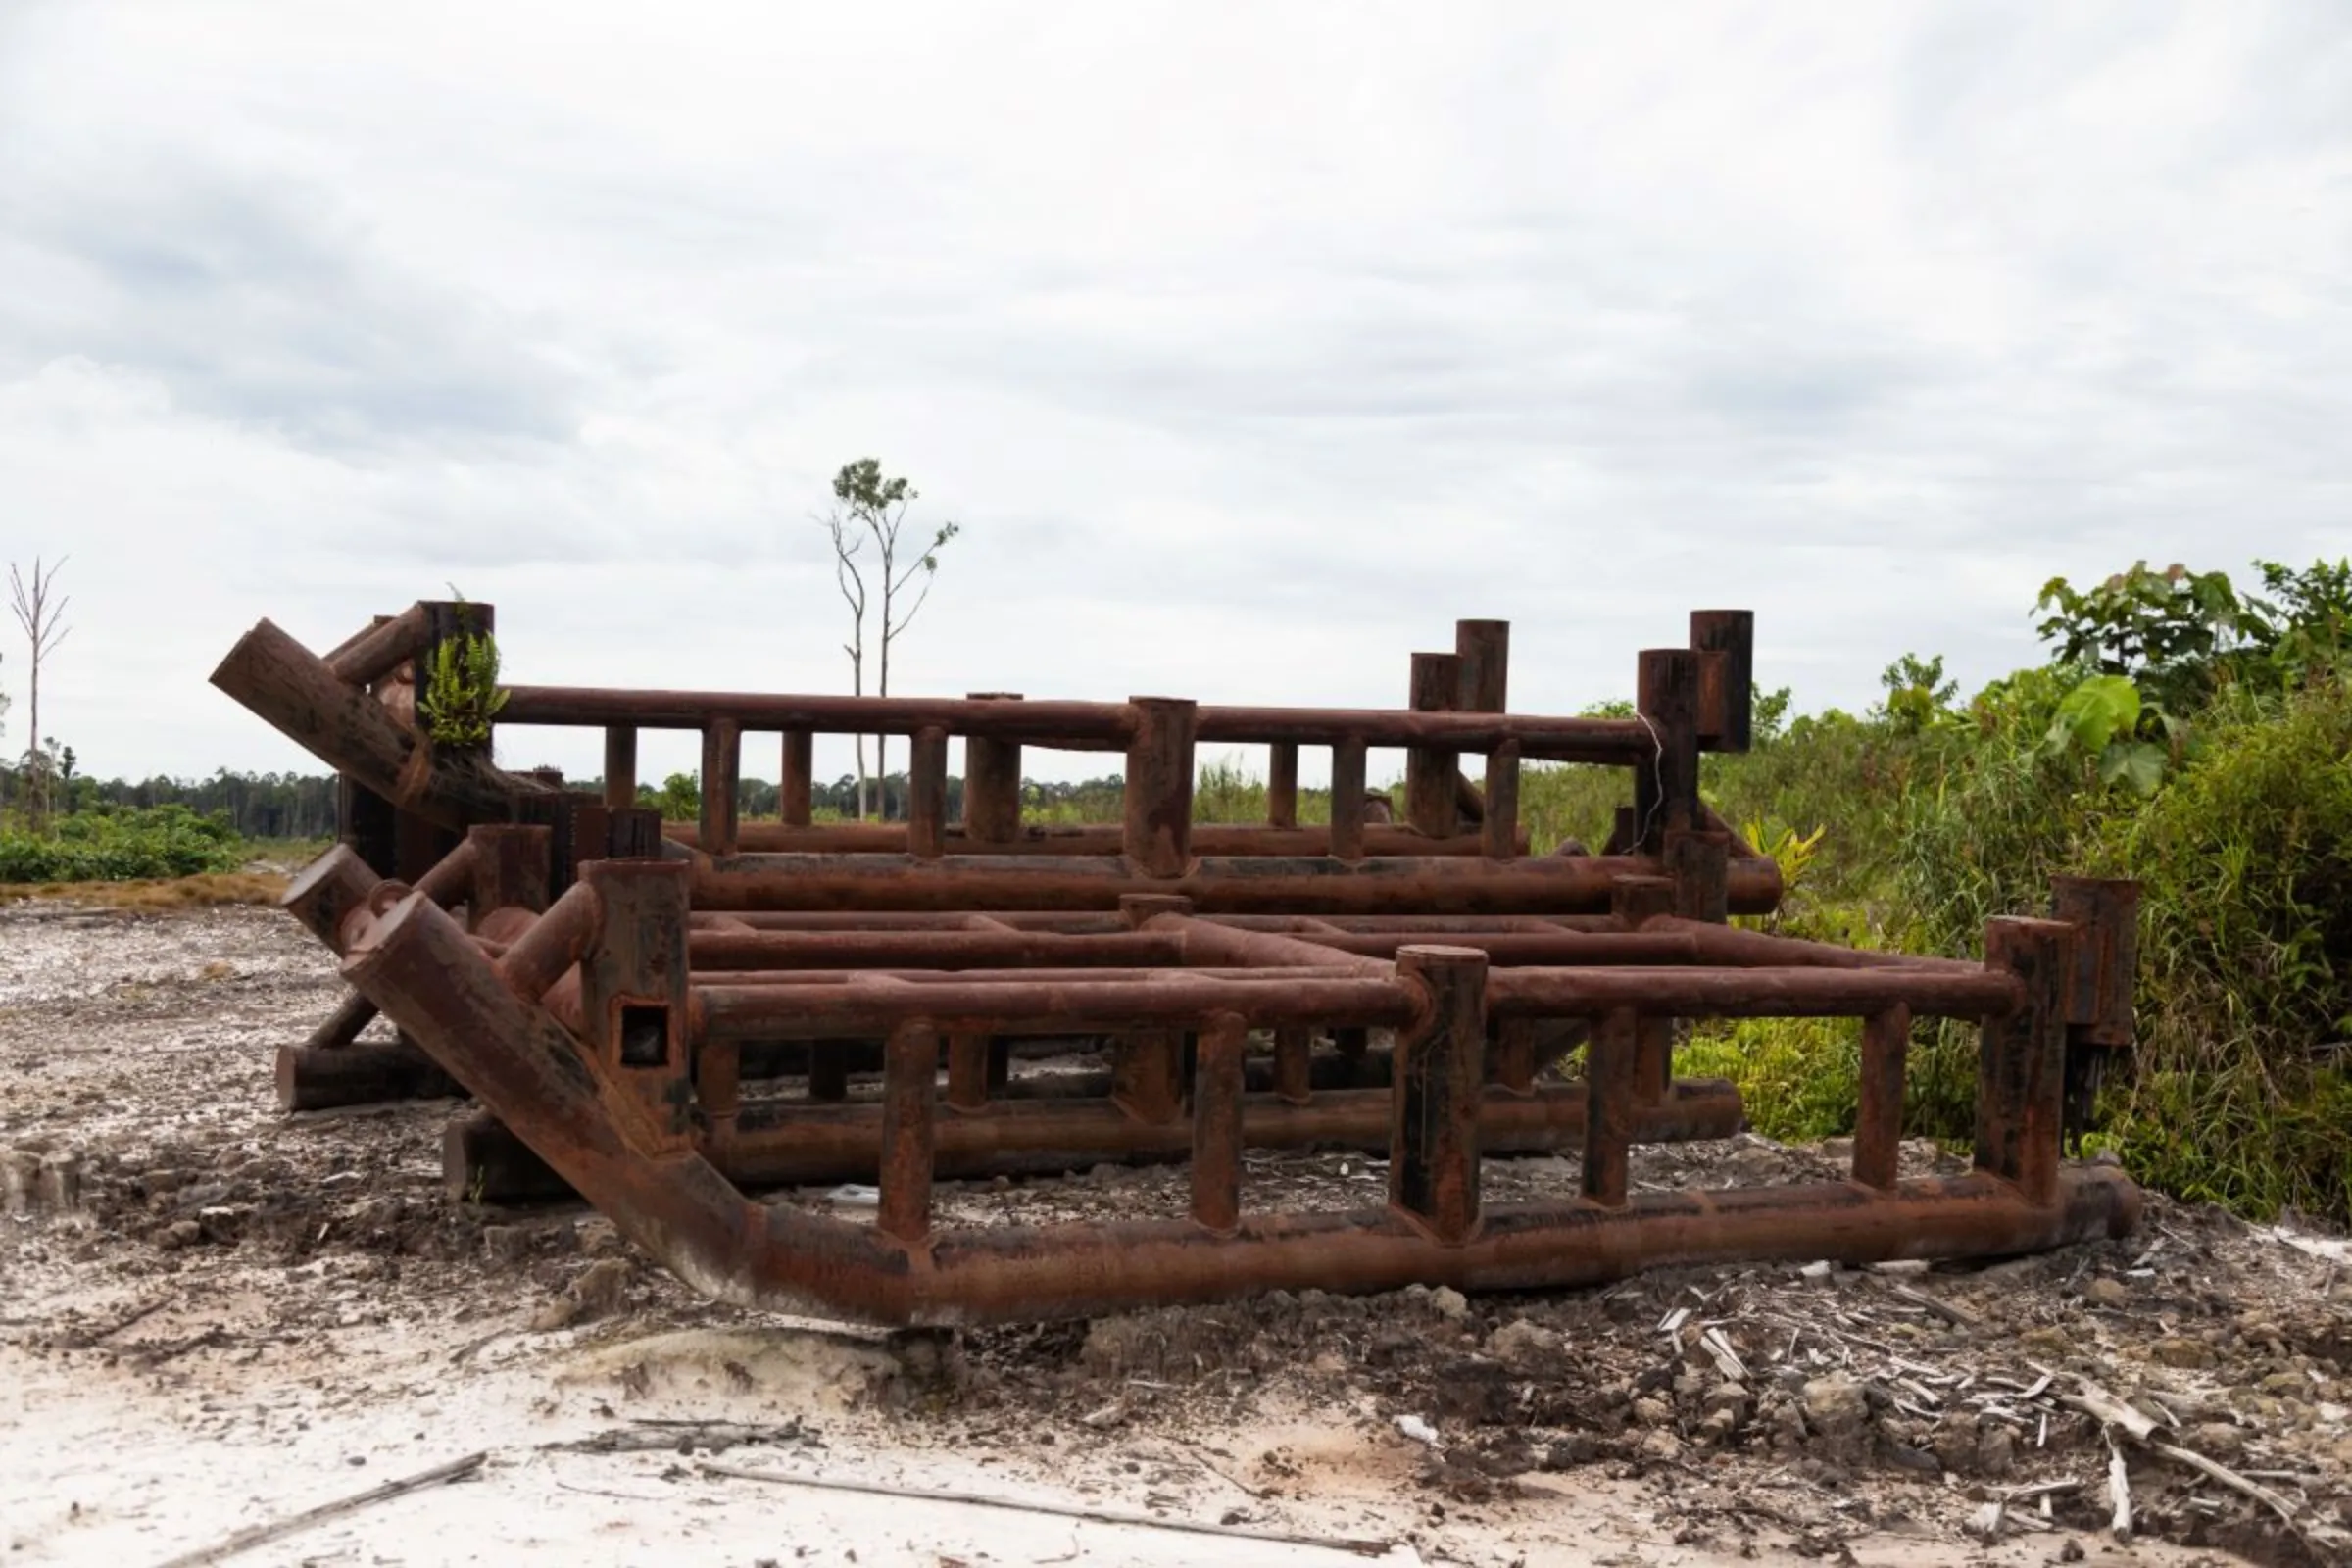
(869, 507)
(45, 629)
(842, 530)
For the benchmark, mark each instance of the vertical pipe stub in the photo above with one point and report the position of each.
(1439, 1075)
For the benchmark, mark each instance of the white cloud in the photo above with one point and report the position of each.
(1252, 346)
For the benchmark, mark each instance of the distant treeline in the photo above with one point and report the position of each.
(296, 806)
(258, 806)
(679, 797)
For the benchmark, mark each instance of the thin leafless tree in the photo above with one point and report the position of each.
(869, 507)
(44, 628)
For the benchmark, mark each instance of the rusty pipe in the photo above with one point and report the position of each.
(418, 967)
(1091, 838)
(1790, 993)
(1722, 944)
(1216, 885)
(382, 649)
(798, 1143)
(872, 1007)
(535, 960)
(926, 949)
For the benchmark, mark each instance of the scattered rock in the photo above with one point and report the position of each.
(600, 1286)
(1661, 1447)
(1522, 1345)
(506, 1244)
(2107, 1293)
(596, 1292)
(1788, 1427)
(1728, 1400)
(2180, 1350)
(165, 1179)
(19, 1180)
(59, 1186)
(1575, 1450)
(1838, 1413)
(2217, 1440)
(1954, 1443)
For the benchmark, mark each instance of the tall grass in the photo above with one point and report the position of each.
(2241, 1094)
(1223, 791)
(2238, 1090)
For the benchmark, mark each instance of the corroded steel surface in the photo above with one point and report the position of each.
(613, 992)
(623, 1131)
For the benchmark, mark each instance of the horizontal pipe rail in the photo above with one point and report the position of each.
(797, 1143)
(1562, 947)
(1070, 725)
(1337, 969)
(870, 1006)
(1790, 993)
(1091, 838)
(1224, 885)
(927, 949)
(584, 1117)
(378, 652)
(1071, 923)
(1729, 944)
(1078, 726)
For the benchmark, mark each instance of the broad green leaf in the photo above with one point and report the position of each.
(2138, 763)
(2102, 708)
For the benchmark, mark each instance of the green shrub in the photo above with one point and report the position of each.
(110, 844)
(1797, 1077)
(2245, 863)
(1570, 801)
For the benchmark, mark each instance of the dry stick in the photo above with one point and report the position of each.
(1955, 1317)
(2098, 1403)
(1099, 1516)
(2229, 1478)
(260, 1535)
(145, 1310)
(2119, 1491)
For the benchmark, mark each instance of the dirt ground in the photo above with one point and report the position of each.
(213, 1316)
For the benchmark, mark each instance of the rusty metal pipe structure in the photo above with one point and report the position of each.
(359, 706)
(609, 982)
(1037, 1131)
(1221, 839)
(1229, 885)
(356, 710)
(621, 1113)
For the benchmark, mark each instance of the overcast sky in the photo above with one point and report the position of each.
(1251, 344)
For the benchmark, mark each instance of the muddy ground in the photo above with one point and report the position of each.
(212, 1316)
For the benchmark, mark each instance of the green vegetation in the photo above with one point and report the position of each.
(110, 844)
(462, 694)
(2185, 735)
